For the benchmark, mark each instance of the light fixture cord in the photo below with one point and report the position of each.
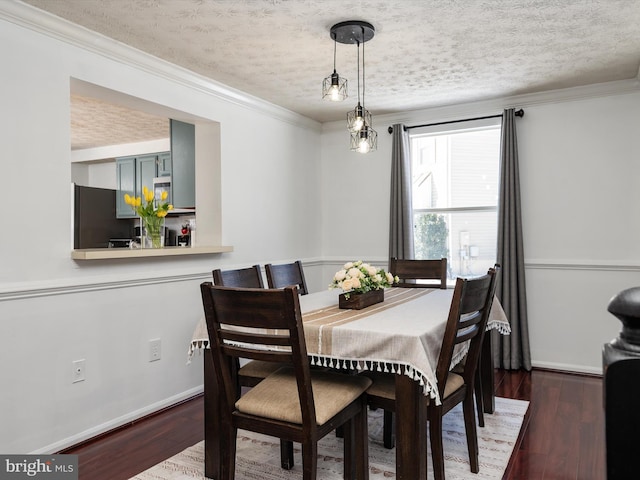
(335, 42)
(358, 63)
(363, 42)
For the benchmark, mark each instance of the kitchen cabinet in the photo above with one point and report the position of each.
(126, 181)
(136, 172)
(146, 170)
(183, 157)
(164, 164)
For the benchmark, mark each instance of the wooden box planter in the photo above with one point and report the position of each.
(358, 301)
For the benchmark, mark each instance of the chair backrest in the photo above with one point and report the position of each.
(410, 271)
(280, 276)
(250, 277)
(468, 317)
(259, 324)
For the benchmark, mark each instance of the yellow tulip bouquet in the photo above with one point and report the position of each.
(152, 213)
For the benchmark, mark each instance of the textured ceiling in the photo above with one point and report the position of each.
(95, 123)
(425, 53)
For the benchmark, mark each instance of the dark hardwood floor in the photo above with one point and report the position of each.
(132, 449)
(562, 437)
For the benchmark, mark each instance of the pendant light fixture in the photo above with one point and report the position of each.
(359, 116)
(334, 87)
(364, 138)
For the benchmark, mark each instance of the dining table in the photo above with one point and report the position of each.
(401, 335)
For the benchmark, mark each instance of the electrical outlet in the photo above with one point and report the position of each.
(77, 372)
(154, 349)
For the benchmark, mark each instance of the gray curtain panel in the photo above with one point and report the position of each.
(401, 211)
(511, 351)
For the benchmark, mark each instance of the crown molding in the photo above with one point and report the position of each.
(31, 18)
(497, 105)
(606, 89)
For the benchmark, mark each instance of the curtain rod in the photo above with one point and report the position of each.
(517, 113)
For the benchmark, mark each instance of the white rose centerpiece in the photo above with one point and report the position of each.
(359, 277)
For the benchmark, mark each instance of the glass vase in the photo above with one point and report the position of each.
(152, 232)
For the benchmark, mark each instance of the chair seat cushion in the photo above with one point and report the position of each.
(276, 396)
(384, 385)
(258, 369)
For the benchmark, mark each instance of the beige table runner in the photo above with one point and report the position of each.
(319, 324)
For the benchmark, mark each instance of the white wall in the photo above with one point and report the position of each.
(293, 191)
(356, 191)
(580, 177)
(54, 310)
(92, 174)
(580, 180)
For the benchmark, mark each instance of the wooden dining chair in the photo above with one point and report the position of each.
(419, 273)
(478, 385)
(295, 403)
(250, 277)
(253, 372)
(467, 321)
(413, 274)
(279, 276)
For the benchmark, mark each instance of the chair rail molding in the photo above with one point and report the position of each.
(27, 290)
(580, 264)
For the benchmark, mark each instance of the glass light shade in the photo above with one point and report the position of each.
(334, 88)
(358, 118)
(364, 140)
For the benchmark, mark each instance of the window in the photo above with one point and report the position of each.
(455, 181)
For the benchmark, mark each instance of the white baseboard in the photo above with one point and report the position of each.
(154, 407)
(117, 422)
(566, 367)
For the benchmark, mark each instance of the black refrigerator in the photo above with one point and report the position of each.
(95, 219)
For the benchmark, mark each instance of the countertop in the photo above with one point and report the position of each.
(110, 253)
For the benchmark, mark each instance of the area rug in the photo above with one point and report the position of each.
(258, 456)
